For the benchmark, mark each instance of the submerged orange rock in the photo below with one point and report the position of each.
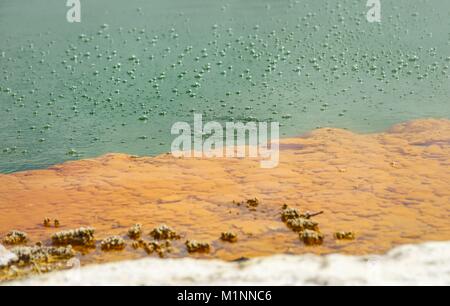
(389, 188)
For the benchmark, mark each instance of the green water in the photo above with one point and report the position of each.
(117, 81)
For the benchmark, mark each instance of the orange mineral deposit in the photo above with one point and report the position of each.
(389, 189)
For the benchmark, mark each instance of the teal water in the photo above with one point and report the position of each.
(117, 81)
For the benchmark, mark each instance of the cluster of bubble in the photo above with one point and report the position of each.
(304, 64)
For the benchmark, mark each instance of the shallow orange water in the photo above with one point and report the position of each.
(390, 188)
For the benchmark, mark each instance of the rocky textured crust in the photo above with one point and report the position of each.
(425, 264)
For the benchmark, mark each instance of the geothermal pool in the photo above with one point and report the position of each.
(86, 111)
(117, 81)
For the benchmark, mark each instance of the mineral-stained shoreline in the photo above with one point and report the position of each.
(382, 190)
(424, 264)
